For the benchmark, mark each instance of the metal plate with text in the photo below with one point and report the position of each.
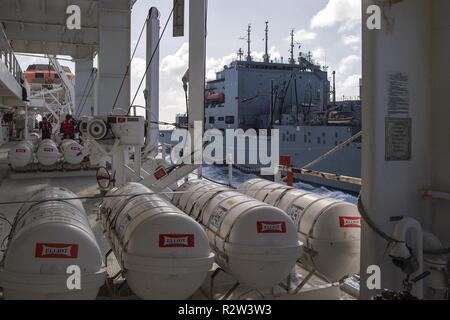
(398, 139)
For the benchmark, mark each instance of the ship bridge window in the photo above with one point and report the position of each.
(220, 119)
(39, 75)
(212, 120)
(229, 120)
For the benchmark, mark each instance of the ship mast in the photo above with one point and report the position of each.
(249, 42)
(292, 59)
(334, 88)
(266, 55)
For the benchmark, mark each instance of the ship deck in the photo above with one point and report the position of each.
(17, 187)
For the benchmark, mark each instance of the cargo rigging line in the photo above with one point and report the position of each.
(305, 170)
(334, 150)
(129, 65)
(153, 54)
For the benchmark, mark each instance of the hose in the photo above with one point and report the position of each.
(385, 236)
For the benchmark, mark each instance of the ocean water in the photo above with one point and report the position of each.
(220, 174)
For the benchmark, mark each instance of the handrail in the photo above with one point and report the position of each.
(8, 57)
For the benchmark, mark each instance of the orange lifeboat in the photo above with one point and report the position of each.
(215, 97)
(45, 74)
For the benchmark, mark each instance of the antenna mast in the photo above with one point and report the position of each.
(266, 55)
(249, 42)
(292, 59)
(334, 88)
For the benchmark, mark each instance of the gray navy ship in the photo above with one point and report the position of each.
(297, 98)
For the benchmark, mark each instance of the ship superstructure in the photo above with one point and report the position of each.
(297, 99)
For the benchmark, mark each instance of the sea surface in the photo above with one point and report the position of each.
(220, 174)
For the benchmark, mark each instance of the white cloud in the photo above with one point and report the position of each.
(350, 39)
(214, 65)
(303, 35)
(274, 54)
(346, 14)
(349, 87)
(177, 62)
(348, 64)
(319, 55)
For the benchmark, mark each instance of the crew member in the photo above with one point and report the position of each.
(68, 128)
(46, 129)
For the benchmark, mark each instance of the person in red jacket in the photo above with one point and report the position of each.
(68, 128)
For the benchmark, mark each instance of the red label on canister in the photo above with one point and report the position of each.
(160, 173)
(56, 250)
(350, 222)
(271, 227)
(176, 240)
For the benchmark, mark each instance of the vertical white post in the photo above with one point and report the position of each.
(395, 167)
(114, 55)
(84, 87)
(152, 81)
(197, 58)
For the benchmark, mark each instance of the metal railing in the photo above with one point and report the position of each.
(8, 57)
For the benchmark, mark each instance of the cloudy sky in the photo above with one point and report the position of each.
(330, 29)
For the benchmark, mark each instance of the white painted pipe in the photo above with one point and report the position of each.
(400, 233)
(152, 81)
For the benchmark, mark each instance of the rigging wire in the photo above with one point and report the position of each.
(217, 182)
(131, 60)
(153, 54)
(80, 111)
(85, 88)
